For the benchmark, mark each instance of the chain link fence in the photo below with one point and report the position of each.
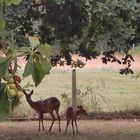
(98, 90)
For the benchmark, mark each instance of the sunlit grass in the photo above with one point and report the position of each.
(119, 91)
(135, 51)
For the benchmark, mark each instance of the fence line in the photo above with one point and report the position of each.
(99, 90)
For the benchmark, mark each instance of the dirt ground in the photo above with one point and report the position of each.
(92, 64)
(95, 64)
(89, 130)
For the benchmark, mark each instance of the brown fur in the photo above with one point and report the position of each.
(71, 115)
(48, 105)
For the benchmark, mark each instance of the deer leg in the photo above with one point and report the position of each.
(39, 125)
(76, 125)
(53, 119)
(39, 121)
(58, 119)
(72, 126)
(42, 119)
(68, 121)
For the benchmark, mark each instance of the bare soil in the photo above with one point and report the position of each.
(89, 130)
(94, 64)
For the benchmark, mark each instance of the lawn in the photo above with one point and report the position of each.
(89, 130)
(99, 90)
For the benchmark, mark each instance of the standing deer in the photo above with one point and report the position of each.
(71, 115)
(48, 105)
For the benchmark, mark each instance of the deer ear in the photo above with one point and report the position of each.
(31, 92)
(24, 92)
(78, 106)
(82, 106)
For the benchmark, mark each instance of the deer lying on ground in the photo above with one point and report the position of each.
(48, 105)
(71, 115)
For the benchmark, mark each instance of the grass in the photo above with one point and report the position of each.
(120, 92)
(89, 130)
(136, 51)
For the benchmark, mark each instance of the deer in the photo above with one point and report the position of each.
(71, 115)
(48, 105)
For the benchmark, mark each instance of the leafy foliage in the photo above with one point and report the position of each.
(19, 20)
(4, 65)
(38, 64)
(4, 103)
(80, 25)
(77, 26)
(37, 55)
(7, 104)
(7, 2)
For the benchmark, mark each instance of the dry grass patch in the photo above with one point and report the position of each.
(89, 130)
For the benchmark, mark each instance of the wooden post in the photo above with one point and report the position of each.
(133, 48)
(74, 89)
(101, 52)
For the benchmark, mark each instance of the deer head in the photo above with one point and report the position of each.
(82, 110)
(28, 96)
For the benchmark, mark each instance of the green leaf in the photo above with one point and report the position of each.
(38, 72)
(46, 65)
(4, 102)
(10, 2)
(29, 67)
(2, 23)
(23, 49)
(37, 66)
(16, 2)
(36, 1)
(4, 65)
(3, 34)
(45, 50)
(10, 51)
(41, 67)
(1, 1)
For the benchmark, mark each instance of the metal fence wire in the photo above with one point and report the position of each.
(98, 90)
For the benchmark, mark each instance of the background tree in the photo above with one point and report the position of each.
(118, 20)
(77, 27)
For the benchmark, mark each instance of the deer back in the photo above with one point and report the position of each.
(50, 104)
(70, 112)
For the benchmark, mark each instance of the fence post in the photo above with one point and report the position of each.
(74, 89)
(101, 51)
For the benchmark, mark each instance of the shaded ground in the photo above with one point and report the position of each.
(89, 130)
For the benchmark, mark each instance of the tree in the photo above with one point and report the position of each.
(79, 25)
(82, 22)
(38, 64)
(119, 21)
